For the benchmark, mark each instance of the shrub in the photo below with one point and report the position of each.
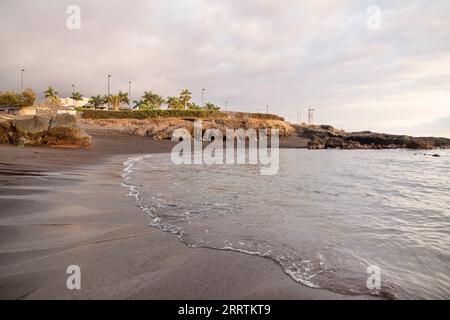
(172, 113)
(28, 97)
(10, 99)
(19, 100)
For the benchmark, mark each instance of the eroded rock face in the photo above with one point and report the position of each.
(5, 129)
(320, 137)
(162, 128)
(56, 131)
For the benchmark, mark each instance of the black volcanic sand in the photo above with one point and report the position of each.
(61, 207)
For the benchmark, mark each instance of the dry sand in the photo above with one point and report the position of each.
(67, 207)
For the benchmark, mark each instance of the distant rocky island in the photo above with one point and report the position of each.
(327, 137)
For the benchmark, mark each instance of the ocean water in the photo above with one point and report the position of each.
(324, 218)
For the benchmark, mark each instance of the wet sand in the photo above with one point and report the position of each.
(67, 207)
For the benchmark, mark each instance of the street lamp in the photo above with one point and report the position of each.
(311, 116)
(109, 77)
(73, 95)
(203, 97)
(129, 93)
(267, 109)
(226, 105)
(21, 79)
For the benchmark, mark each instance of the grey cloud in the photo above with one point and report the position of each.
(252, 53)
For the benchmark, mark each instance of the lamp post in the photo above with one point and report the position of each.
(226, 105)
(311, 116)
(129, 94)
(21, 79)
(203, 97)
(73, 95)
(109, 77)
(267, 109)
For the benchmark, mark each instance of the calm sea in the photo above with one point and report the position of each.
(325, 217)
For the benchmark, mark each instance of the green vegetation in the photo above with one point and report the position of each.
(18, 100)
(193, 106)
(174, 103)
(148, 106)
(185, 98)
(51, 93)
(123, 98)
(96, 101)
(149, 101)
(171, 113)
(51, 97)
(28, 97)
(76, 96)
(210, 106)
(117, 101)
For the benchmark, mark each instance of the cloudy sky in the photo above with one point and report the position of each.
(358, 74)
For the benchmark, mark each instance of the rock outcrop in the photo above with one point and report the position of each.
(162, 128)
(52, 131)
(327, 137)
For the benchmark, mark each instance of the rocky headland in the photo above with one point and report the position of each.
(69, 131)
(327, 137)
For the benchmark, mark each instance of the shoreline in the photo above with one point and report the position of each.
(68, 207)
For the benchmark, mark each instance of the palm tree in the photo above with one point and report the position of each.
(105, 99)
(152, 99)
(148, 96)
(51, 93)
(124, 97)
(193, 106)
(145, 105)
(211, 107)
(136, 103)
(185, 97)
(96, 101)
(116, 101)
(174, 103)
(158, 101)
(76, 96)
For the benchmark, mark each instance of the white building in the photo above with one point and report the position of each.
(68, 102)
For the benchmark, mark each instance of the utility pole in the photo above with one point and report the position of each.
(109, 77)
(311, 116)
(203, 98)
(267, 109)
(21, 79)
(226, 105)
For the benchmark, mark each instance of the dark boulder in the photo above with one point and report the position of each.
(417, 143)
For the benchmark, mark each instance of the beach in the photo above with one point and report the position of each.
(62, 207)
